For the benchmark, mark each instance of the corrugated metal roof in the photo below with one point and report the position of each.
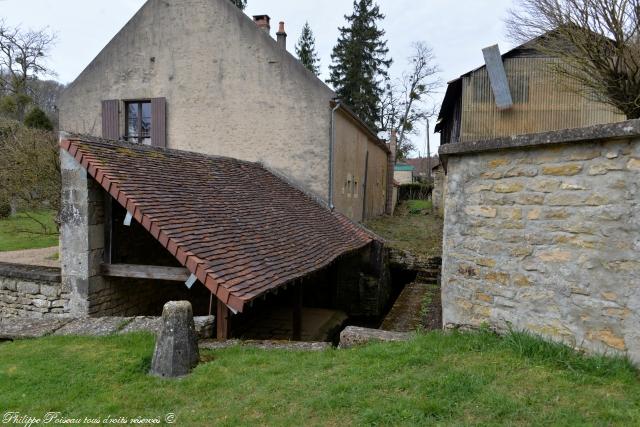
(403, 167)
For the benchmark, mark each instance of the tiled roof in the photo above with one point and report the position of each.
(239, 228)
(421, 164)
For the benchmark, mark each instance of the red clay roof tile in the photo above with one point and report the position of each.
(239, 228)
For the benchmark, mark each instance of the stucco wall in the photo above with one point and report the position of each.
(230, 90)
(403, 177)
(547, 238)
(351, 147)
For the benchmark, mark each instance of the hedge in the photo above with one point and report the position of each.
(415, 191)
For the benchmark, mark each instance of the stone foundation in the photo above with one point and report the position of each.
(543, 232)
(31, 291)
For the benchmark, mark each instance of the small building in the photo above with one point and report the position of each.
(403, 173)
(537, 99)
(144, 225)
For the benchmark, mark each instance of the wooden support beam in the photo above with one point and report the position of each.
(223, 321)
(173, 274)
(297, 312)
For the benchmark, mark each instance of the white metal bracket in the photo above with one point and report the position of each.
(128, 218)
(191, 281)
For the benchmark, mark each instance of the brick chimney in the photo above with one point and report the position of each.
(391, 164)
(263, 21)
(282, 36)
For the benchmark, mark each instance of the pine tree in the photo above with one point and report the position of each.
(240, 3)
(360, 62)
(306, 50)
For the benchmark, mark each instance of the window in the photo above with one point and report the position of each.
(138, 122)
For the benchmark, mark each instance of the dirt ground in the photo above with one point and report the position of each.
(47, 257)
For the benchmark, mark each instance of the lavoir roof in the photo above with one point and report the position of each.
(240, 229)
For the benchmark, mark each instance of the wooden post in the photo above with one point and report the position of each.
(223, 321)
(297, 312)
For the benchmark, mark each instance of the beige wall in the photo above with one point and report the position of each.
(550, 105)
(230, 90)
(403, 177)
(350, 151)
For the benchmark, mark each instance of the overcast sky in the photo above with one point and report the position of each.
(456, 29)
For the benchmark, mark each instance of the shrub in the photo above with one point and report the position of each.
(415, 191)
(37, 119)
(5, 209)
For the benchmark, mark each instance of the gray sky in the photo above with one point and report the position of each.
(456, 29)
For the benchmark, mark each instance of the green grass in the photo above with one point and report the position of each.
(435, 379)
(23, 231)
(413, 227)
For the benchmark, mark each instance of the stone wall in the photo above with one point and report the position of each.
(31, 291)
(543, 232)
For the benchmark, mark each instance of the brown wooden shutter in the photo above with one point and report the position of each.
(111, 119)
(159, 122)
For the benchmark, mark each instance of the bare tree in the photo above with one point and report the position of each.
(596, 41)
(22, 55)
(29, 167)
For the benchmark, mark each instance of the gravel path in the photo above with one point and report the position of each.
(32, 257)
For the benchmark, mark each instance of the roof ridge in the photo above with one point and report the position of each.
(121, 142)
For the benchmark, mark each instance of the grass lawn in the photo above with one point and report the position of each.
(456, 379)
(413, 227)
(23, 232)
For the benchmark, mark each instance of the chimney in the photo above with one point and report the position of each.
(282, 36)
(263, 22)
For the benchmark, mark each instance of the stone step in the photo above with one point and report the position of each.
(354, 335)
(406, 313)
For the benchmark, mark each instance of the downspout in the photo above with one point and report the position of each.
(331, 150)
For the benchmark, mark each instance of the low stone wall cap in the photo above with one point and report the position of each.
(30, 272)
(619, 130)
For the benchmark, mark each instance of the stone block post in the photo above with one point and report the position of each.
(81, 234)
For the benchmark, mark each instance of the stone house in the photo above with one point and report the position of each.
(523, 96)
(199, 75)
(221, 163)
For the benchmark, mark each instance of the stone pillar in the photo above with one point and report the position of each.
(176, 351)
(81, 234)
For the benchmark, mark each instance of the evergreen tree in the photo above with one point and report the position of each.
(360, 62)
(240, 3)
(306, 50)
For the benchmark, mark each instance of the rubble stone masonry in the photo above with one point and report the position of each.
(30, 291)
(542, 232)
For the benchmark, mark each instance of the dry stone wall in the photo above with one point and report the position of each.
(546, 237)
(33, 292)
